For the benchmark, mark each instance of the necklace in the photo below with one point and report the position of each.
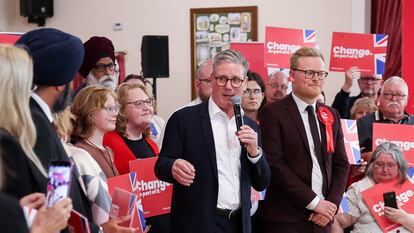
(107, 158)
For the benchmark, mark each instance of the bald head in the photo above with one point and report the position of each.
(276, 86)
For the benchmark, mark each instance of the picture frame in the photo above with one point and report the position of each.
(213, 29)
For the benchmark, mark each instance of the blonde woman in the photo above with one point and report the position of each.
(23, 171)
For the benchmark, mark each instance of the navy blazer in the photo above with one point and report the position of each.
(48, 147)
(189, 136)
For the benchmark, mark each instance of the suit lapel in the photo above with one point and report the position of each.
(208, 135)
(296, 117)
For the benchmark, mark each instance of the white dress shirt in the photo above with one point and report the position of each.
(317, 178)
(228, 150)
(43, 105)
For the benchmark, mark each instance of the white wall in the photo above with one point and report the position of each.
(86, 18)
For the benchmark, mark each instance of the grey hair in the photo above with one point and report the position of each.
(397, 155)
(230, 56)
(202, 66)
(394, 79)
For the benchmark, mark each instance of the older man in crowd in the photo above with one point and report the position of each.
(392, 102)
(99, 65)
(306, 154)
(369, 86)
(276, 87)
(212, 164)
(202, 83)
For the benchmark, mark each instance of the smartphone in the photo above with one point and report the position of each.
(58, 185)
(390, 200)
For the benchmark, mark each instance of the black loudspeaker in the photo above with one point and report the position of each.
(154, 57)
(36, 8)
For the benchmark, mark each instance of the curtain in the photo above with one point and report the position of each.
(386, 19)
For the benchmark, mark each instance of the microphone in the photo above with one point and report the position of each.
(236, 100)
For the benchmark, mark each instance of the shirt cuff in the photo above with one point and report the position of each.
(312, 205)
(257, 158)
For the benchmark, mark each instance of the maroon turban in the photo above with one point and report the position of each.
(96, 48)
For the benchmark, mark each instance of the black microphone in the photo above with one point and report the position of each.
(236, 100)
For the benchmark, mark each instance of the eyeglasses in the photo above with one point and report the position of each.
(368, 80)
(207, 80)
(235, 82)
(104, 67)
(140, 104)
(252, 92)
(309, 74)
(277, 86)
(389, 166)
(111, 109)
(389, 96)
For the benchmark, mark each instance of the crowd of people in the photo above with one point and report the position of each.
(289, 144)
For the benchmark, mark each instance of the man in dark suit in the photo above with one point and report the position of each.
(309, 165)
(391, 110)
(201, 155)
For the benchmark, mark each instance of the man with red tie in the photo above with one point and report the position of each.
(304, 145)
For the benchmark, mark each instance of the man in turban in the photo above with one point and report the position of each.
(98, 66)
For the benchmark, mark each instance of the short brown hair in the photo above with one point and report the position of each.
(87, 101)
(304, 52)
(122, 118)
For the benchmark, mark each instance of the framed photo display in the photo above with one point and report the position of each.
(213, 29)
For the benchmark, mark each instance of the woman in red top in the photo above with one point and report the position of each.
(131, 139)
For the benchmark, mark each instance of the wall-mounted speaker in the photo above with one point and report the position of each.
(154, 57)
(39, 8)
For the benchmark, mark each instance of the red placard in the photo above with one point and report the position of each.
(123, 203)
(366, 51)
(253, 52)
(128, 182)
(282, 42)
(401, 135)
(155, 194)
(78, 223)
(374, 199)
(9, 37)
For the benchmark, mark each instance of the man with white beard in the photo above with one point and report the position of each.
(99, 64)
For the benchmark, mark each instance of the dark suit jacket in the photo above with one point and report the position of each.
(11, 215)
(189, 136)
(343, 103)
(286, 146)
(21, 176)
(365, 128)
(48, 147)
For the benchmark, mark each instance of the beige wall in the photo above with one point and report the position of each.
(86, 18)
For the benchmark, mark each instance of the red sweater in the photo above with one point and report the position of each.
(122, 153)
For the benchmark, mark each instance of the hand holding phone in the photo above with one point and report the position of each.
(58, 185)
(390, 200)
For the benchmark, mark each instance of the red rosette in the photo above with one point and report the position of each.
(325, 116)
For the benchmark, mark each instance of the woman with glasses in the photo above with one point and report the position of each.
(131, 139)
(253, 97)
(96, 110)
(387, 164)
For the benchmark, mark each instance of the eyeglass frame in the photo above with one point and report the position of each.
(367, 80)
(320, 77)
(207, 80)
(104, 67)
(397, 96)
(389, 166)
(111, 109)
(149, 102)
(231, 81)
(277, 86)
(252, 92)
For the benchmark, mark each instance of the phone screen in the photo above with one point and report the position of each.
(59, 181)
(390, 200)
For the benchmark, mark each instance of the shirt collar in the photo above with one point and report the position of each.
(214, 110)
(380, 117)
(302, 104)
(43, 105)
